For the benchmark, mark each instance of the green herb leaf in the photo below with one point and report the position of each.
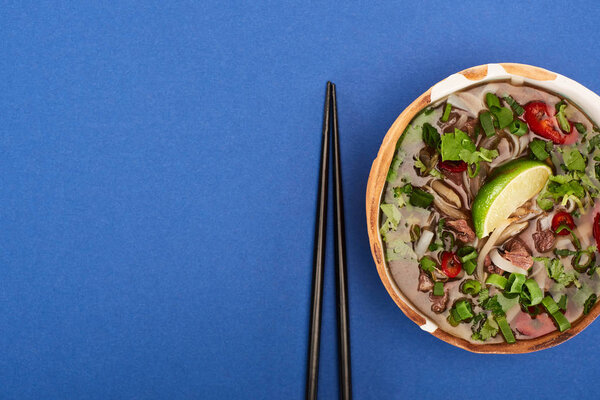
(392, 212)
(580, 127)
(538, 149)
(487, 123)
(420, 198)
(573, 159)
(431, 136)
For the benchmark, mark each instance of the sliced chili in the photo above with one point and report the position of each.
(562, 218)
(452, 166)
(540, 118)
(451, 265)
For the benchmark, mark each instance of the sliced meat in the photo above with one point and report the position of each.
(464, 233)
(425, 282)
(517, 253)
(469, 126)
(544, 240)
(490, 267)
(439, 302)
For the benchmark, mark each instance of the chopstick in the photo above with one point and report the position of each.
(319, 259)
(345, 372)
(340, 259)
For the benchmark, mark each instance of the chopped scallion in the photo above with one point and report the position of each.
(531, 294)
(562, 303)
(487, 123)
(492, 100)
(438, 289)
(514, 105)
(518, 127)
(504, 116)
(447, 110)
(561, 321)
(562, 119)
(589, 303)
(505, 328)
(471, 286)
(496, 280)
(469, 267)
(463, 309)
(550, 304)
(515, 283)
(427, 264)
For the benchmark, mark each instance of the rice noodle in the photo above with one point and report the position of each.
(491, 242)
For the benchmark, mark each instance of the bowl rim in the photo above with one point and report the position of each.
(522, 73)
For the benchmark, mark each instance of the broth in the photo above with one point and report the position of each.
(428, 226)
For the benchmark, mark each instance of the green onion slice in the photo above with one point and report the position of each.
(562, 119)
(573, 236)
(505, 328)
(469, 267)
(515, 283)
(447, 110)
(514, 105)
(467, 253)
(561, 321)
(485, 118)
(589, 303)
(550, 304)
(471, 286)
(438, 289)
(531, 294)
(503, 115)
(589, 261)
(492, 100)
(463, 309)
(427, 264)
(496, 280)
(518, 127)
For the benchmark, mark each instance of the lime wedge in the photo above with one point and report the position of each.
(510, 185)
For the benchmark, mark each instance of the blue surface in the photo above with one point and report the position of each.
(158, 183)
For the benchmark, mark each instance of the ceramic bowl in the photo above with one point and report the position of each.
(587, 100)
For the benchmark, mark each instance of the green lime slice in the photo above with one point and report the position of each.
(510, 185)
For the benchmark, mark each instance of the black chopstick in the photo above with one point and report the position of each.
(319, 260)
(340, 261)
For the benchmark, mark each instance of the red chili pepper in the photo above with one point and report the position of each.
(596, 229)
(562, 218)
(451, 265)
(452, 166)
(540, 118)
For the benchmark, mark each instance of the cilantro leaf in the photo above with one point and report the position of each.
(392, 213)
(573, 159)
(431, 136)
(458, 145)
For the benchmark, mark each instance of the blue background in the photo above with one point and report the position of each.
(158, 186)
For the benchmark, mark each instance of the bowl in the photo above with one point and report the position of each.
(587, 100)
